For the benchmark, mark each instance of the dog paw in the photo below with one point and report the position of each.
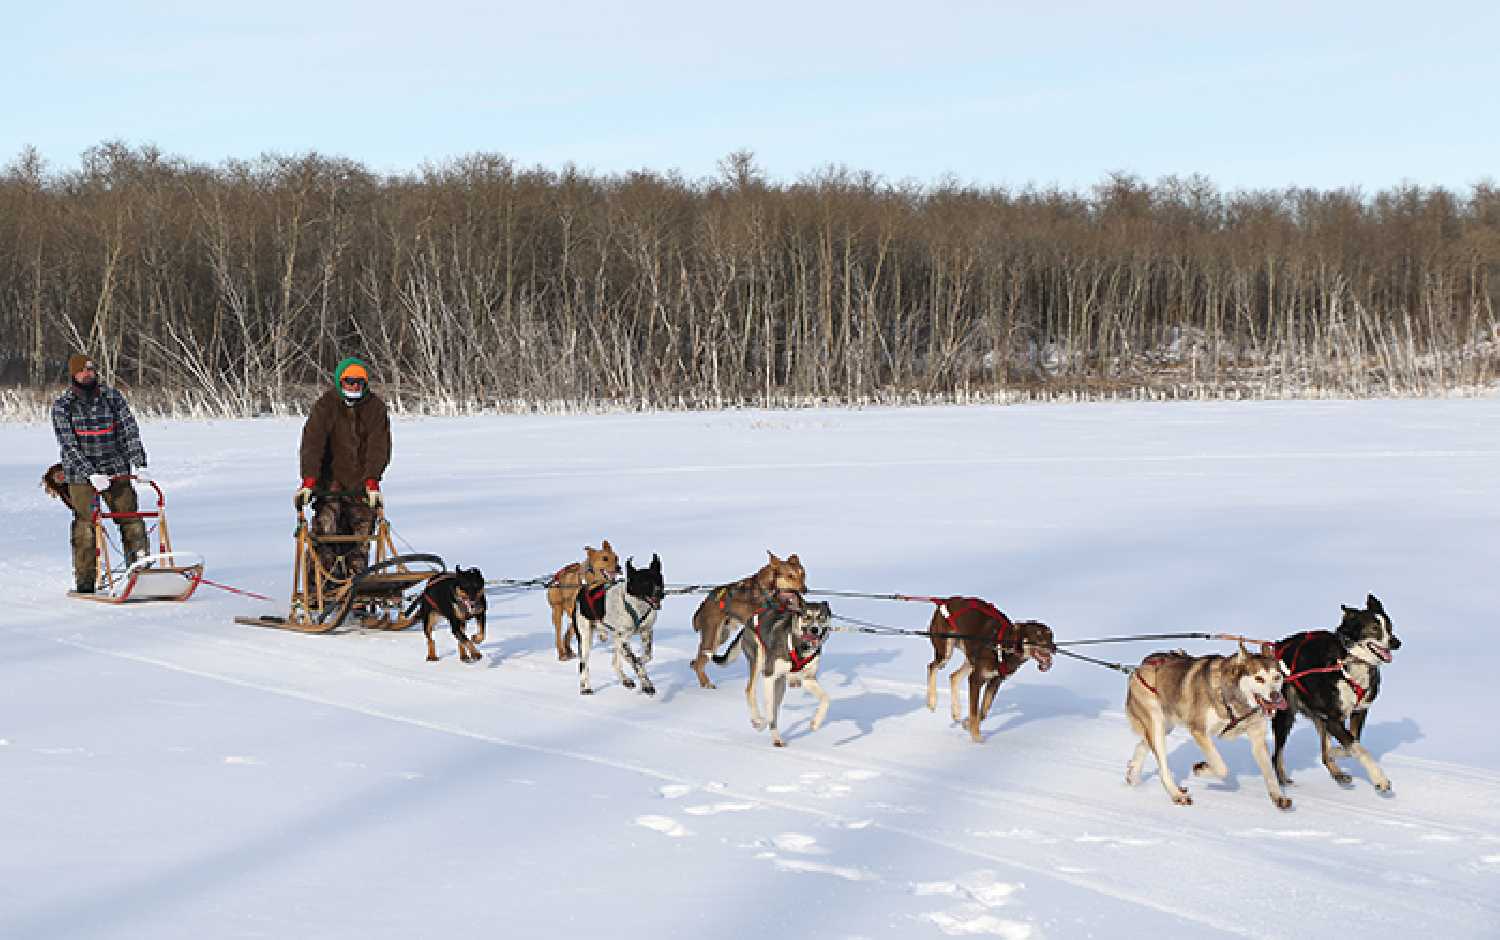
(648, 689)
(1200, 768)
(1382, 785)
(1182, 799)
(1282, 802)
(628, 683)
(777, 742)
(1343, 780)
(585, 691)
(432, 659)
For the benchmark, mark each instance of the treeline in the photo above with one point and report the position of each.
(479, 284)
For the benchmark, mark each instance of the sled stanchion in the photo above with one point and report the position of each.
(322, 600)
(166, 575)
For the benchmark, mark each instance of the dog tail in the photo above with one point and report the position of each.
(732, 652)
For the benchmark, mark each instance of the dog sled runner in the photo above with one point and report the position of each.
(166, 575)
(323, 601)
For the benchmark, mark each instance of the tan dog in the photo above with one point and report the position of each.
(56, 484)
(778, 583)
(994, 648)
(1211, 696)
(599, 566)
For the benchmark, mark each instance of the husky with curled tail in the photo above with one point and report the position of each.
(784, 646)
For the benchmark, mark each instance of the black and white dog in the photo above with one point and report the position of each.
(628, 608)
(458, 597)
(1334, 678)
(784, 645)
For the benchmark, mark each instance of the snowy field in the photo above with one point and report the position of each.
(165, 773)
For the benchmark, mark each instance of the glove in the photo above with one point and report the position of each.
(142, 475)
(372, 494)
(99, 481)
(304, 495)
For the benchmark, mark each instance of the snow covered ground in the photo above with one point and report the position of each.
(166, 773)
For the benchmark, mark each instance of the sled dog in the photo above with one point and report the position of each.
(599, 567)
(1333, 678)
(783, 647)
(993, 649)
(629, 610)
(777, 584)
(458, 597)
(1211, 696)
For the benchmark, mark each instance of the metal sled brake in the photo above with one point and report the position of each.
(323, 601)
(166, 575)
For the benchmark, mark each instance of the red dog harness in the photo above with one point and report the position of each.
(987, 609)
(774, 603)
(1296, 675)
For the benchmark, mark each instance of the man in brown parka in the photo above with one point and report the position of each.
(346, 446)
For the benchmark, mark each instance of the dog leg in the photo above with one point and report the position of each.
(1339, 776)
(585, 646)
(778, 692)
(427, 619)
(640, 670)
(564, 645)
(1356, 728)
(1159, 748)
(464, 653)
(981, 691)
(479, 636)
(959, 675)
(939, 660)
(1281, 729)
(1377, 776)
(1215, 765)
(811, 684)
(619, 655)
(752, 689)
(1133, 766)
(1263, 761)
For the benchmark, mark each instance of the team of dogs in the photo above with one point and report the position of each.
(1332, 677)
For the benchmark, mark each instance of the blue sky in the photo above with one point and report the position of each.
(1252, 94)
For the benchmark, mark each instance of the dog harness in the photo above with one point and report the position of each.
(987, 609)
(591, 601)
(773, 602)
(1296, 675)
(1154, 661)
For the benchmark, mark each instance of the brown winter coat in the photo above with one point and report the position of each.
(344, 446)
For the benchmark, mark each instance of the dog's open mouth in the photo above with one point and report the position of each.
(1382, 652)
(463, 606)
(1271, 705)
(1043, 657)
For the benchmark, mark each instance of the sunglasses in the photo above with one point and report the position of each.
(353, 383)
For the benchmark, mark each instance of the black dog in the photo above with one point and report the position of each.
(1333, 678)
(457, 595)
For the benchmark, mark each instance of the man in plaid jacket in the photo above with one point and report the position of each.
(99, 441)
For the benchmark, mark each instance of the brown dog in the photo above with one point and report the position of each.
(994, 648)
(599, 566)
(777, 584)
(56, 484)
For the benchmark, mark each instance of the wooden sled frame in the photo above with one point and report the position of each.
(322, 602)
(170, 576)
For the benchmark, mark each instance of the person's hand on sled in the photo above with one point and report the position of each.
(303, 497)
(372, 494)
(99, 481)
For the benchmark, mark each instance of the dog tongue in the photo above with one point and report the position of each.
(1383, 653)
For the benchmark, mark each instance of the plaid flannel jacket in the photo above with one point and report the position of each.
(96, 433)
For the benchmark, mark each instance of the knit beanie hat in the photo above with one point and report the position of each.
(353, 368)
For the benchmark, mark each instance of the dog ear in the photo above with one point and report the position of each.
(1243, 653)
(774, 560)
(1372, 604)
(656, 562)
(1347, 609)
(589, 549)
(792, 559)
(629, 567)
(606, 546)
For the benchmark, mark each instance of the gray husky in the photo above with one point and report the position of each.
(630, 609)
(1211, 696)
(784, 646)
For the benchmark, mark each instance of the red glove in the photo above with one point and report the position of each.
(304, 495)
(372, 493)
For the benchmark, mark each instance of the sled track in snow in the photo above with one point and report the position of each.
(1191, 842)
